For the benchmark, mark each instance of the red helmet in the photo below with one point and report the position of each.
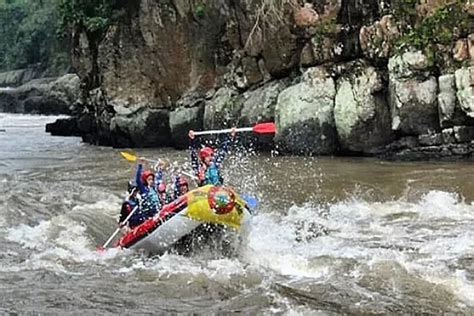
(146, 174)
(205, 152)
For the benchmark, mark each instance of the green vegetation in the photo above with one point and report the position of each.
(325, 29)
(200, 10)
(92, 16)
(442, 28)
(38, 32)
(28, 36)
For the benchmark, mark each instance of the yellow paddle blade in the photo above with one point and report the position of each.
(128, 156)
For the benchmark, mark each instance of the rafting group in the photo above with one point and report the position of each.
(148, 194)
(153, 219)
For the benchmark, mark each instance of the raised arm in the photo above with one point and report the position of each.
(194, 154)
(158, 176)
(138, 178)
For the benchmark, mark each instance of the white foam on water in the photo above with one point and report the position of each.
(425, 237)
(56, 243)
(220, 270)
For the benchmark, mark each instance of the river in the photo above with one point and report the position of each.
(331, 235)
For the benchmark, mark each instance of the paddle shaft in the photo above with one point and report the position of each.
(189, 175)
(222, 131)
(118, 229)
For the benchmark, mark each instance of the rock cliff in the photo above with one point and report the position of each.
(370, 77)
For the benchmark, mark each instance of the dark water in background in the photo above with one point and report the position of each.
(331, 235)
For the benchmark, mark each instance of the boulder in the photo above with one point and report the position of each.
(305, 115)
(182, 119)
(43, 96)
(413, 95)
(222, 111)
(63, 127)
(463, 134)
(465, 89)
(450, 112)
(361, 112)
(259, 105)
(144, 128)
(435, 139)
(15, 78)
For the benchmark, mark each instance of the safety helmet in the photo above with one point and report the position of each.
(146, 174)
(205, 152)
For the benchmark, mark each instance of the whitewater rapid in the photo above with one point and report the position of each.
(330, 235)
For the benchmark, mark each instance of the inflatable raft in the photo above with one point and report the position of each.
(209, 204)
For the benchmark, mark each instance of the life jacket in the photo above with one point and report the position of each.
(210, 175)
(150, 202)
(137, 218)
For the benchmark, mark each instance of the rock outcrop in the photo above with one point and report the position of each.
(362, 113)
(43, 96)
(305, 115)
(164, 67)
(19, 77)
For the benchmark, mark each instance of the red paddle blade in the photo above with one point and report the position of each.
(264, 128)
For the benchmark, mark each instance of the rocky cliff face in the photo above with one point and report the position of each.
(369, 77)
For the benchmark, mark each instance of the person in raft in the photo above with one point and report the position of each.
(148, 189)
(160, 184)
(180, 186)
(207, 166)
(131, 201)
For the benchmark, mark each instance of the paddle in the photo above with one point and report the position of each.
(133, 157)
(260, 128)
(102, 248)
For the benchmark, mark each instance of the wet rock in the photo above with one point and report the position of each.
(305, 115)
(465, 89)
(63, 127)
(413, 95)
(248, 73)
(19, 77)
(449, 112)
(144, 128)
(43, 96)
(403, 143)
(430, 139)
(182, 120)
(448, 136)
(222, 111)
(361, 112)
(259, 105)
(463, 134)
